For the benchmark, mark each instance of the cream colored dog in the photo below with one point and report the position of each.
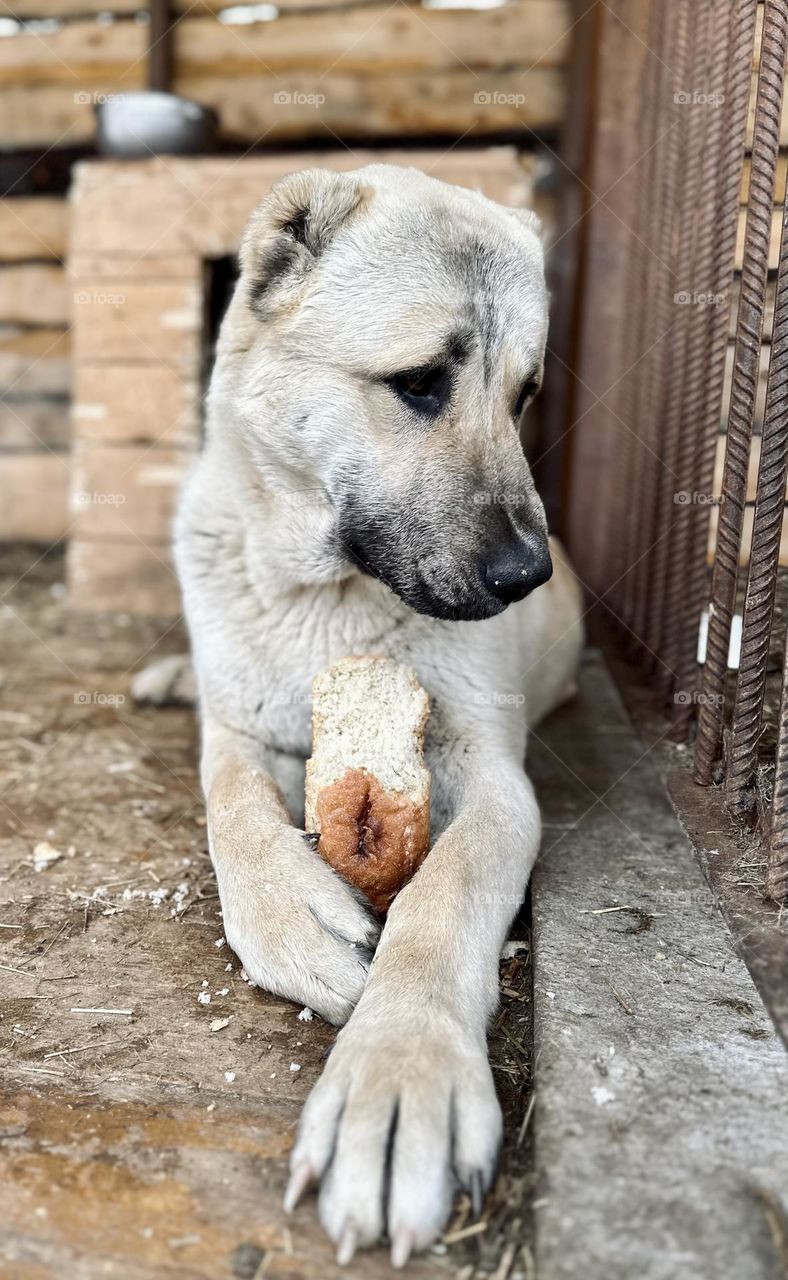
(363, 491)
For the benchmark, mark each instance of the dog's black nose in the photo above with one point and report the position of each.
(517, 568)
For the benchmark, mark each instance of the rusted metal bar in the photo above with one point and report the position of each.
(764, 558)
(777, 873)
(692, 195)
(738, 77)
(688, 28)
(663, 204)
(651, 304)
(632, 318)
(638, 325)
(749, 328)
(705, 302)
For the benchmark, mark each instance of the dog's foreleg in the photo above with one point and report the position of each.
(298, 929)
(406, 1112)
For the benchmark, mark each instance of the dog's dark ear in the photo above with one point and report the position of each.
(291, 229)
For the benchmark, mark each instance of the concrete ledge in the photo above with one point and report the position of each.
(661, 1120)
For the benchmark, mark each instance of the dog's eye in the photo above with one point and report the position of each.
(527, 391)
(426, 390)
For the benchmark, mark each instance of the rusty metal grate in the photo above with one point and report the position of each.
(665, 443)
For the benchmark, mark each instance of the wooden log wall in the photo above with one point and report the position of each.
(364, 70)
(35, 310)
(327, 70)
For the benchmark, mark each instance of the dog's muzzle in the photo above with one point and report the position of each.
(506, 575)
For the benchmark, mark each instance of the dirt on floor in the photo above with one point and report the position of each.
(149, 1095)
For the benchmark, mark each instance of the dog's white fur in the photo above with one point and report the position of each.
(313, 469)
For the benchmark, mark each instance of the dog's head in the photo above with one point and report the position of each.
(387, 333)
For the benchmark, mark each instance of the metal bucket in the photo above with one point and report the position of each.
(153, 123)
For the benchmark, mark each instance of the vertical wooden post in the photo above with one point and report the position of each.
(160, 46)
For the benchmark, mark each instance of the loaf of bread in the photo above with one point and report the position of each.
(367, 788)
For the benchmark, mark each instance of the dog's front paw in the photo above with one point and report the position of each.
(299, 929)
(168, 681)
(399, 1121)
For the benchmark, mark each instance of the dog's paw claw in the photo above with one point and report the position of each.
(347, 1245)
(168, 681)
(301, 1176)
(401, 1248)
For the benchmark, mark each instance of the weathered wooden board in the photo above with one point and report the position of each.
(35, 361)
(135, 404)
(202, 205)
(34, 293)
(373, 105)
(621, 55)
(381, 37)
(148, 321)
(452, 102)
(95, 266)
(125, 492)
(25, 9)
(33, 496)
(132, 576)
(34, 227)
(37, 423)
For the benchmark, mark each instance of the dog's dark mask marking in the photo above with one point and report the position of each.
(373, 543)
